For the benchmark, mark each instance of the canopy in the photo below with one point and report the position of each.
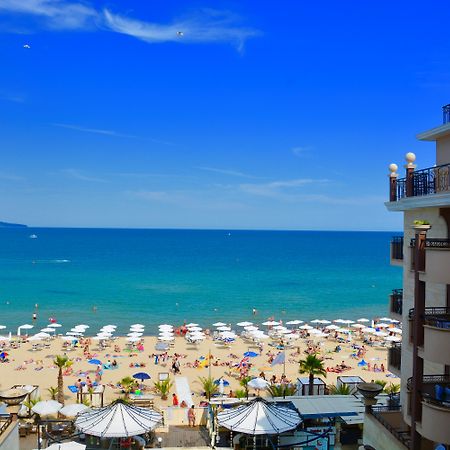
(258, 383)
(118, 420)
(73, 409)
(142, 376)
(47, 407)
(259, 417)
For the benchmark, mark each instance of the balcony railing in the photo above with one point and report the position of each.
(397, 248)
(5, 420)
(395, 356)
(381, 414)
(434, 390)
(438, 316)
(396, 301)
(432, 180)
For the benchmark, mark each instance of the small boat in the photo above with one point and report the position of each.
(33, 236)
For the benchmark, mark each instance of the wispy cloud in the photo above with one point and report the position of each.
(58, 14)
(12, 97)
(10, 177)
(209, 26)
(74, 173)
(93, 130)
(282, 190)
(232, 173)
(300, 151)
(111, 133)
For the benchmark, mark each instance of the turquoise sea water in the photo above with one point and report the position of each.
(156, 276)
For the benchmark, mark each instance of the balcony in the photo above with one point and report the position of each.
(435, 395)
(397, 250)
(391, 419)
(395, 359)
(433, 180)
(434, 261)
(436, 339)
(396, 303)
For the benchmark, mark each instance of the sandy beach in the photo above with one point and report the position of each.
(35, 367)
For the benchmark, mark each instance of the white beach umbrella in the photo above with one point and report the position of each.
(332, 327)
(192, 325)
(324, 321)
(42, 335)
(396, 330)
(259, 417)
(383, 325)
(166, 333)
(294, 322)
(34, 338)
(338, 321)
(319, 334)
(260, 336)
(306, 327)
(79, 330)
(384, 319)
(363, 319)
(393, 338)
(270, 323)
(134, 334)
(166, 338)
(117, 420)
(74, 333)
(82, 325)
(258, 383)
(138, 325)
(368, 330)
(285, 331)
(291, 336)
(279, 327)
(25, 326)
(48, 330)
(73, 409)
(194, 329)
(47, 408)
(358, 325)
(244, 324)
(54, 325)
(228, 335)
(380, 333)
(343, 330)
(250, 328)
(104, 336)
(133, 339)
(68, 338)
(315, 331)
(223, 328)
(219, 324)
(347, 322)
(2, 327)
(165, 325)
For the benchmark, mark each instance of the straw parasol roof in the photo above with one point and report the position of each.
(118, 420)
(259, 417)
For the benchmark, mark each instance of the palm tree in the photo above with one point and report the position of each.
(62, 362)
(128, 384)
(313, 366)
(163, 387)
(209, 387)
(281, 390)
(53, 391)
(343, 389)
(244, 383)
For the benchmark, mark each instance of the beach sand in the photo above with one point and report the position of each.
(47, 376)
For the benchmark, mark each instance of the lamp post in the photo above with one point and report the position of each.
(369, 391)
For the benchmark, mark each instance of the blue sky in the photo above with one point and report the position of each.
(260, 115)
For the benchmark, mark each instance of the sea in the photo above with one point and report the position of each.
(150, 276)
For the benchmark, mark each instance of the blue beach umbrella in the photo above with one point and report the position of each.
(225, 382)
(250, 354)
(142, 376)
(94, 361)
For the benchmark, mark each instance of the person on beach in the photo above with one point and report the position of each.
(191, 416)
(174, 400)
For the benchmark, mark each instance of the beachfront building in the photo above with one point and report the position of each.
(423, 304)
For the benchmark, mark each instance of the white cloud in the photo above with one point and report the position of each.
(58, 14)
(207, 27)
(300, 151)
(279, 189)
(93, 130)
(233, 173)
(10, 177)
(74, 173)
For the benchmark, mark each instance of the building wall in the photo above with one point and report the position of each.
(9, 440)
(435, 293)
(378, 436)
(443, 151)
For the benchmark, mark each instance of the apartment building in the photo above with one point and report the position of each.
(422, 361)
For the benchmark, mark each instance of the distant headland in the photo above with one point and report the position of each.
(12, 225)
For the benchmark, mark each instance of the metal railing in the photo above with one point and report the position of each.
(431, 180)
(446, 114)
(429, 391)
(5, 421)
(397, 247)
(378, 413)
(395, 356)
(396, 301)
